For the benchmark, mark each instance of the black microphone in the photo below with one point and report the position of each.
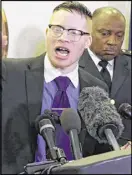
(53, 116)
(125, 110)
(45, 127)
(100, 116)
(71, 123)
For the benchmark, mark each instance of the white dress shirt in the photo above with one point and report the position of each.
(50, 72)
(96, 60)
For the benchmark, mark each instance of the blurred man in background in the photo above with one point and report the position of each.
(5, 35)
(4, 41)
(106, 61)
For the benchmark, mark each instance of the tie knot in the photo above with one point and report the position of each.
(103, 63)
(62, 82)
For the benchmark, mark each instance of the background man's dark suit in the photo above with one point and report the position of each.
(121, 83)
(21, 103)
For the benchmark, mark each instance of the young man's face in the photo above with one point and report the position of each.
(65, 50)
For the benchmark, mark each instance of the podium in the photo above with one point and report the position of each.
(114, 162)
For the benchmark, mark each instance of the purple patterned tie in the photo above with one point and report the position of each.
(61, 101)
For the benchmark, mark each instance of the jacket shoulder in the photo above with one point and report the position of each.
(92, 80)
(126, 52)
(18, 63)
(126, 56)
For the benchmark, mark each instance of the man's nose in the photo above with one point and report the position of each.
(64, 36)
(112, 40)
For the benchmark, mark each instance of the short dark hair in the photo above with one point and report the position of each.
(74, 6)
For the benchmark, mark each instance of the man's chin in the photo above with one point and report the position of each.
(108, 57)
(59, 65)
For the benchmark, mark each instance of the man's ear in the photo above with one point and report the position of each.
(88, 41)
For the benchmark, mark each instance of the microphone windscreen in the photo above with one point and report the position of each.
(96, 110)
(70, 120)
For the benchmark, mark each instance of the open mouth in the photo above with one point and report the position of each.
(62, 51)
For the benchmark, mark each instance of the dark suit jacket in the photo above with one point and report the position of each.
(121, 83)
(22, 85)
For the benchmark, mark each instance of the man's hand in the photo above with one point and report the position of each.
(127, 146)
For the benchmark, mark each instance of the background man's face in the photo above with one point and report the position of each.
(107, 36)
(67, 20)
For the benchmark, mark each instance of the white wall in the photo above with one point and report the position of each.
(125, 8)
(27, 21)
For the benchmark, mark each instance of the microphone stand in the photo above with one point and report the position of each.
(61, 157)
(45, 167)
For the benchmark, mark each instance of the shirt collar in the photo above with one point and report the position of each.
(50, 72)
(96, 59)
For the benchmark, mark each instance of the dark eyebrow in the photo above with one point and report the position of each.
(121, 32)
(104, 30)
(100, 30)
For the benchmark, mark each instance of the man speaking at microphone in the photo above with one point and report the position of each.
(50, 81)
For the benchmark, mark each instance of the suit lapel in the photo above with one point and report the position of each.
(121, 72)
(83, 79)
(87, 64)
(34, 86)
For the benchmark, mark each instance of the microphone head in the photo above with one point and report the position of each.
(70, 120)
(96, 110)
(125, 110)
(43, 120)
(44, 124)
(47, 111)
(54, 116)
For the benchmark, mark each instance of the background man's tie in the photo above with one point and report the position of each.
(105, 73)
